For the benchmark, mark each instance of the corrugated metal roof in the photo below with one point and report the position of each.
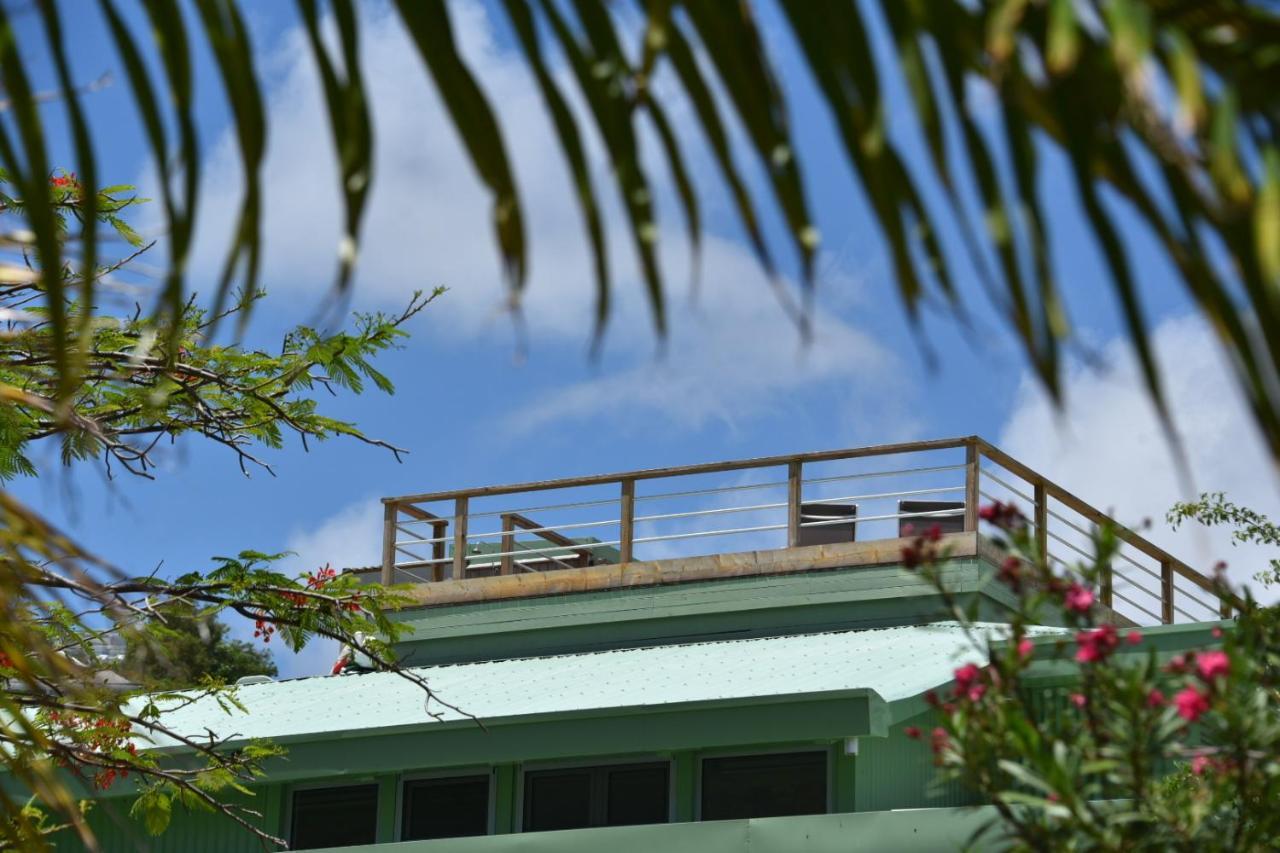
(897, 663)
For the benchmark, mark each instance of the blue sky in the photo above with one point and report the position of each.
(734, 380)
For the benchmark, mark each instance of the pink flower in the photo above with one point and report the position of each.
(1025, 648)
(911, 557)
(940, 740)
(1097, 644)
(1199, 764)
(967, 674)
(1191, 704)
(1002, 515)
(1133, 638)
(1155, 699)
(1010, 573)
(912, 732)
(1211, 665)
(1078, 599)
(1079, 700)
(934, 533)
(976, 691)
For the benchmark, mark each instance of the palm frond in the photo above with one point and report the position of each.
(1186, 85)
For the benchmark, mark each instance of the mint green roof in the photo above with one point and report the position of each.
(896, 663)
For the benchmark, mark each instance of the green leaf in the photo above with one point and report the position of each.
(153, 807)
(432, 31)
(125, 230)
(1266, 221)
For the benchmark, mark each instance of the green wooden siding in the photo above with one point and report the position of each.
(891, 772)
(188, 832)
(896, 772)
(731, 608)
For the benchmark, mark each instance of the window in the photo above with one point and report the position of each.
(334, 817)
(773, 785)
(595, 796)
(445, 808)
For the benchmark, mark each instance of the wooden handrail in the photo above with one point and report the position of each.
(683, 470)
(1097, 516)
(439, 527)
(515, 519)
(975, 449)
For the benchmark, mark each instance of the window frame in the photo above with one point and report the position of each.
(744, 752)
(320, 784)
(488, 771)
(587, 764)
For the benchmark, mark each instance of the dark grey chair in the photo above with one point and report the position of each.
(947, 523)
(827, 534)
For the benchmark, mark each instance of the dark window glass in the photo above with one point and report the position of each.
(334, 817)
(595, 796)
(636, 795)
(746, 786)
(445, 808)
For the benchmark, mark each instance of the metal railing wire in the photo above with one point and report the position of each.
(533, 537)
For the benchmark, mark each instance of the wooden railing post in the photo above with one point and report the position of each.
(971, 487)
(1166, 592)
(460, 538)
(439, 530)
(1042, 521)
(508, 544)
(389, 513)
(626, 520)
(795, 484)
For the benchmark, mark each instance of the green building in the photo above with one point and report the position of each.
(714, 658)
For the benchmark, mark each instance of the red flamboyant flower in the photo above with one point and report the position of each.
(1078, 599)
(1211, 665)
(1200, 763)
(263, 629)
(912, 732)
(1191, 704)
(1133, 638)
(1155, 699)
(1025, 648)
(1097, 644)
(934, 533)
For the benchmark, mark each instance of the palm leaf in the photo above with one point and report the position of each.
(1069, 76)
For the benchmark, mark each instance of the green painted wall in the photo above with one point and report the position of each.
(887, 773)
(885, 832)
(896, 772)
(188, 832)
(731, 608)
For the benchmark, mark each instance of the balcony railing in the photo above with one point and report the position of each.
(862, 494)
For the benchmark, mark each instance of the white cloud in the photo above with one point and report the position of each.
(351, 537)
(428, 223)
(1107, 445)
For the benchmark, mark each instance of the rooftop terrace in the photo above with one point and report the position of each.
(780, 513)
